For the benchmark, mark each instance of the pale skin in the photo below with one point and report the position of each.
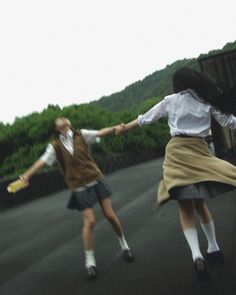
(63, 125)
(186, 207)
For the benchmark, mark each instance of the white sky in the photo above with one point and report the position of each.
(64, 52)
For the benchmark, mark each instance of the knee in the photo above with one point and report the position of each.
(89, 224)
(110, 217)
(199, 205)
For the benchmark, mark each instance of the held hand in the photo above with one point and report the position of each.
(24, 178)
(17, 185)
(119, 129)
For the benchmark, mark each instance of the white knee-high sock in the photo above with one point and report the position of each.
(192, 239)
(89, 258)
(209, 231)
(123, 243)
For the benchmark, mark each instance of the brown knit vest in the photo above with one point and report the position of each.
(78, 169)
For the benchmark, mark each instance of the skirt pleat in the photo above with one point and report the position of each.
(88, 197)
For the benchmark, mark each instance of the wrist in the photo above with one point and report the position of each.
(24, 178)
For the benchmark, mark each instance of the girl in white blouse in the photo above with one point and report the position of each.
(191, 173)
(75, 145)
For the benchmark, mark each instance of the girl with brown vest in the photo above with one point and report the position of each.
(86, 182)
(191, 173)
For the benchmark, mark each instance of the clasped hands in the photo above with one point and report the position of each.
(119, 129)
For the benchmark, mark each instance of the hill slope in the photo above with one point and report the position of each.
(154, 85)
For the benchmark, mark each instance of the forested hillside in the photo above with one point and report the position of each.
(154, 85)
(25, 140)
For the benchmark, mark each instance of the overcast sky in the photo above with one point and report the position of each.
(74, 51)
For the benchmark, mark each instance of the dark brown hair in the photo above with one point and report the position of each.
(205, 87)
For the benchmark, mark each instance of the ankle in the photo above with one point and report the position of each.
(89, 258)
(213, 248)
(123, 243)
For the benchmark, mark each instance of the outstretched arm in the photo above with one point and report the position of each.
(151, 116)
(107, 131)
(49, 157)
(39, 164)
(122, 128)
(23, 180)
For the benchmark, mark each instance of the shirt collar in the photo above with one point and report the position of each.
(193, 94)
(68, 135)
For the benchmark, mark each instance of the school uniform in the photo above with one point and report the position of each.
(81, 173)
(189, 170)
(84, 179)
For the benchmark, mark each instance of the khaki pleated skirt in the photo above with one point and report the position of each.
(189, 168)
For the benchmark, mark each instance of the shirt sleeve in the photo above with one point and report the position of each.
(154, 114)
(224, 119)
(49, 157)
(90, 136)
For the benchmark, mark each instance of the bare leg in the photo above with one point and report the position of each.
(87, 232)
(186, 214)
(110, 215)
(203, 211)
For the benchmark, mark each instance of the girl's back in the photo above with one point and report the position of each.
(187, 114)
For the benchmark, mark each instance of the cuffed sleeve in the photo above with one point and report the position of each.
(90, 136)
(140, 120)
(224, 120)
(154, 114)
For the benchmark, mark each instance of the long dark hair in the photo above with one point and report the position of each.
(205, 87)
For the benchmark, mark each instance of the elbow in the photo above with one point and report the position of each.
(231, 124)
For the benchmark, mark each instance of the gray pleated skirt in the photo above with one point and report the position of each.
(201, 190)
(88, 197)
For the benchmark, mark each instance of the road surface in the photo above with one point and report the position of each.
(41, 248)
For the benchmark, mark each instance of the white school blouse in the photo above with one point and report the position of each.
(186, 114)
(49, 157)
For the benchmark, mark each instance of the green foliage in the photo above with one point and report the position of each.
(23, 142)
(154, 85)
(26, 139)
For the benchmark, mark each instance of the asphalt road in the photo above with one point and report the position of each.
(41, 248)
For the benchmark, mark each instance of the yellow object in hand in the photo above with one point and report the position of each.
(16, 185)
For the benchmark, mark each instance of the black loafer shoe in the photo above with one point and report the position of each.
(128, 255)
(201, 270)
(91, 273)
(216, 257)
